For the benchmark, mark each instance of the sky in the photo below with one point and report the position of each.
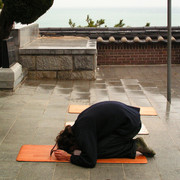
(113, 3)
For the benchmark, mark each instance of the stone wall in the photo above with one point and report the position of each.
(60, 66)
(60, 58)
(24, 34)
(21, 35)
(131, 45)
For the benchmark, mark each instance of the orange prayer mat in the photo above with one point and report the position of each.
(144, 111)
(147, 111)
(40, 153)
(143, 130)
(76, 109)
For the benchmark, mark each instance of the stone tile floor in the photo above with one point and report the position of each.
(37, 111)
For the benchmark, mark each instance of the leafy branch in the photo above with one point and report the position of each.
(99, 23)
(120, 24)
(90, 22)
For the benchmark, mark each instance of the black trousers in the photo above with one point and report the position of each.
(118, 146)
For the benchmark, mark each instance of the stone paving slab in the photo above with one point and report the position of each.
(38, 110)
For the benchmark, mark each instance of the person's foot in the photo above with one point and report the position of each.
(142, 147)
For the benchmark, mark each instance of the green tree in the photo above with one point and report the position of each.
(120, 24)
(90, 22)
(1, 4)
(147, 24)
(71, 23)
(23, 11)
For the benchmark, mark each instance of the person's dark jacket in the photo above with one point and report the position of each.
(99, 121)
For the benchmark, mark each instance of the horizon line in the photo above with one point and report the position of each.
(91, 7)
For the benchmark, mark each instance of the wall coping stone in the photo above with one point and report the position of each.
(52, 46)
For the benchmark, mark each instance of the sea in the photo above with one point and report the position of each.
(132, 17)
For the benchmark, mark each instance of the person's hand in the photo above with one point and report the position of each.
(62, 155)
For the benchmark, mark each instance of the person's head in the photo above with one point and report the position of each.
(66, 140)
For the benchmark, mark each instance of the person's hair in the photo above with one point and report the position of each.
(66, 140)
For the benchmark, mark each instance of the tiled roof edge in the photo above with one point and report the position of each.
(125, 35)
